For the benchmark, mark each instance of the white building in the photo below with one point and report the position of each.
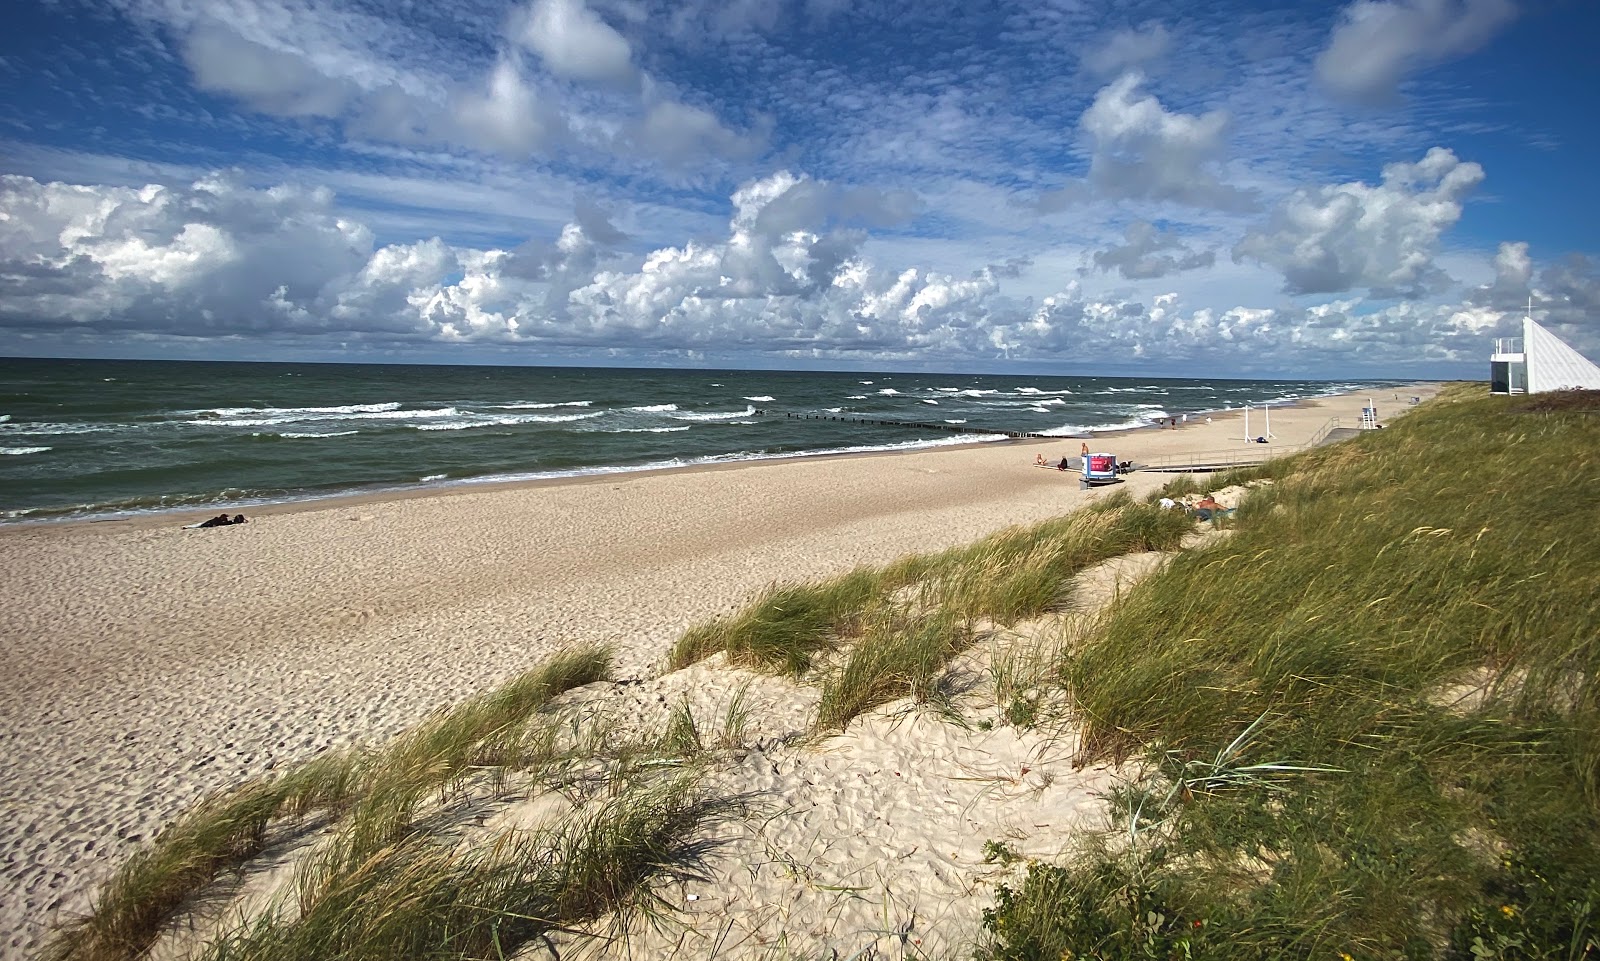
(1538, 361)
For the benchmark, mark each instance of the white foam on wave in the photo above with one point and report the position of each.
(655, 408)
(480, 420)
(531, 405)
(19, 451)
(291, 411)
(5, 418)
(309, 433)
(975, 392)
(434, 477)
(1040, 410)
(961, 421)
(46, 428)
(1035, 390)
(643, 430)
(714, 415)
(738, 456)
(857, 397)
(306, 415)
(889, 391)
(763, 399)
(929, 401)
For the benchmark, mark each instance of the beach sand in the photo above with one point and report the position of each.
(143, 666)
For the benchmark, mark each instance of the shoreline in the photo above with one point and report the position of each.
(145, 666)
(334, 500)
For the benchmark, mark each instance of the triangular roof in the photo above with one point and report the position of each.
(1552, 365)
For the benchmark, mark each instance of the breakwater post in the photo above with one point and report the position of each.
(915, 425)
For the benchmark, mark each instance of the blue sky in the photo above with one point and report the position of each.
(1070, 185)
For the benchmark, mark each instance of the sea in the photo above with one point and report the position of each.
(82, 439)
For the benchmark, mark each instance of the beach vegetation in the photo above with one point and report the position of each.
(903, 622)
(374, 794)
(426, 897)
(1368, 722)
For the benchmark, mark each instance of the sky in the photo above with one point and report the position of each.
(1227, 189)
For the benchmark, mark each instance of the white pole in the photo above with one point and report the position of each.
(1247, 423)
(1268, 409)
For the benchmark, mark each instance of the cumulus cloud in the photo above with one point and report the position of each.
(1337, 238)
(1126, 49)
(1139, 150)
(1376, 43)
(216, 259)
(1149, 253)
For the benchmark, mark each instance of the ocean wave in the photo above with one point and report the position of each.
(327, 415)
(887, 391)
(433, 477)
(511, 421)
(1036, 390)
(5, 418)
(930, 401)
(1040, 410)
(857, 397)
(48, 428)
(760, 400)
(714, 416)
(225, 412)
(654, 408)
(530, 405)
(19, 451)
(643, 430)
(309, 433)
(961, 421)
(1070, 430)
(975, 392)
(833, 410)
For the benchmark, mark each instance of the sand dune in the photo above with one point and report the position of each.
(143, 665)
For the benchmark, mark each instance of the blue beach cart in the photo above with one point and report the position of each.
(1099, 469)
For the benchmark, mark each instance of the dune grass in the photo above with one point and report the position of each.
(1460, 547)
(908, 618)
(422, 898)
(376, 792)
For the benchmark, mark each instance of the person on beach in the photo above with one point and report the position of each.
(1064, 465)
(1083, 449)
(1206, 508)
(1038, 461)
(221, 520)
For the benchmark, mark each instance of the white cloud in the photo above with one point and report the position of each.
(508, 115)
(1337, 238)
(1378, 42)
(1139, 150)
(281, 265)
(574, 42)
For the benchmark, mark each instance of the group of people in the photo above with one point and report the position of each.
(222, 520)
(1204, 509)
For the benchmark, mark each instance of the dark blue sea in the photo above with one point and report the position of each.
(104, 438)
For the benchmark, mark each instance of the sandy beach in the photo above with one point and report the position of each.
(143, 665)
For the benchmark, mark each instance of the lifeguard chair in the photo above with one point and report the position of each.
(1098, 469)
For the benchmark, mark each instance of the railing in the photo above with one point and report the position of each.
(1213, 460)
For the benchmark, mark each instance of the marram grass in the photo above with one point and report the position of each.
(376, 792)
(1459, 547)
(1010, 576)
